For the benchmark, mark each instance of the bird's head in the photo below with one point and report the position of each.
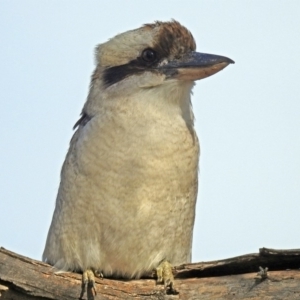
(165, 50)
(159, 57)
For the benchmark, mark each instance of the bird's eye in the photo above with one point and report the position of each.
(149, 55)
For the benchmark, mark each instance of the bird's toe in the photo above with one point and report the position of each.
(88, 284)
(165, 275)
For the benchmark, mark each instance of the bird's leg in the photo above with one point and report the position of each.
(88, 284)
(165, 275)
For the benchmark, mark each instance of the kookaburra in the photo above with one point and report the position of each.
(128, 189)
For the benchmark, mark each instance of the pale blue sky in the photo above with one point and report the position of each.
(248, 115)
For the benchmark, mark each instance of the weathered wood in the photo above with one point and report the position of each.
(275, 260)
(24, 278)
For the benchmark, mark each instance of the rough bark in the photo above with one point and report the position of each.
(233, 278)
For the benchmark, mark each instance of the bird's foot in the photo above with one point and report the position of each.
(88, 283)
(165, 275)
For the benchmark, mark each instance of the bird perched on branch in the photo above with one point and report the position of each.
(127, 196)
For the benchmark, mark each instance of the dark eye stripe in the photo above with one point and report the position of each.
(115, 74)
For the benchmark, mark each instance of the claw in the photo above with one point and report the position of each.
(165, 275)
(88, 284)
(98, 274)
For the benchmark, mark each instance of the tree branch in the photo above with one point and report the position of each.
(233, 278)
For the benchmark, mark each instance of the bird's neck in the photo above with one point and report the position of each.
(168, 100)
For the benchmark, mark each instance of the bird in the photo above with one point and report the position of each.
(128, 186)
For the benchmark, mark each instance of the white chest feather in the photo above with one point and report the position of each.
(128, 189)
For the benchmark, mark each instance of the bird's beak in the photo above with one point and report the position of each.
(194, 66)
